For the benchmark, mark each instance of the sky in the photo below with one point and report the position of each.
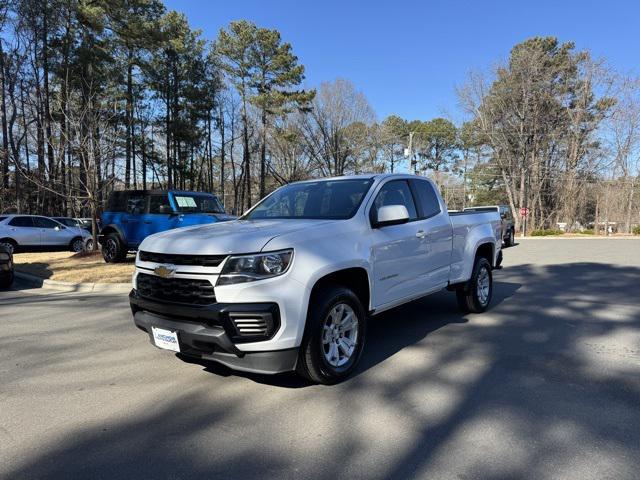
(407, 57)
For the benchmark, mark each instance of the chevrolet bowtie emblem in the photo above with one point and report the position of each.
(164, 271)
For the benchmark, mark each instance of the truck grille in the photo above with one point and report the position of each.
(175, 290)
(175, 259)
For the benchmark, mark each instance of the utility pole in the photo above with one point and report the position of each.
(408, 152)
(526, 201)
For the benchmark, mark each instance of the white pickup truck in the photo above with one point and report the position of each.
(289, 285)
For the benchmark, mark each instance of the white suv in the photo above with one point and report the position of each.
(42, 233)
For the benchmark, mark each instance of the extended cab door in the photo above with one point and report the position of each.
(398, 251)
(434, 221)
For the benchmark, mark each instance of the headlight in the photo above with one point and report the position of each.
(4, 256)
(249, 268)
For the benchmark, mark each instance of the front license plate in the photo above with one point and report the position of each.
(165, 339)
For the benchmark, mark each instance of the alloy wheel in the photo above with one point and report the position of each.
(339, 335)
(483, 286)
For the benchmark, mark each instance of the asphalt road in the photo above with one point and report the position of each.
(544, 385)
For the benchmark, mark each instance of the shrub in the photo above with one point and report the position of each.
(636, 230)
(588, 232)
(546, 233)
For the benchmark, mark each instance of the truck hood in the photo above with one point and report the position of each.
(236, 236)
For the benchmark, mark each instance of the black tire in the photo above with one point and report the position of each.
(113, 250)
(6, 282)
(312, 361)
(468, 296)
(10, 244)
(77, 245)
(510, 240)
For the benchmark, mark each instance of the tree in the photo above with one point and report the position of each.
(329, 142)
(394, 134)
(538, 118)
(275, 72)
(439, 144)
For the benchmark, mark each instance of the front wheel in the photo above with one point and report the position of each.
(77, 245)
(476, 294)
(7, 281)
(334, 336)
(9, 245)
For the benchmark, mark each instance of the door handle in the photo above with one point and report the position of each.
(148, 222)
(421, 234)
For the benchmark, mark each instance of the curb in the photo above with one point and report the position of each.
(35, 281)
(581, 237)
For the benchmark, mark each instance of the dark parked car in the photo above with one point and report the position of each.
(6, 267)
(508, 225)
(133, 215)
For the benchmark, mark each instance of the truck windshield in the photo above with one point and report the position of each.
(324, 199)
(187, 203)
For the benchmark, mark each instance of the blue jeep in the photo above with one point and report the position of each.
(132, 215)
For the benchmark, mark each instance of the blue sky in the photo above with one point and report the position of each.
(408, 56)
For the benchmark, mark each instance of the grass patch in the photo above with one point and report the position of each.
(77, 268)
(546, 233)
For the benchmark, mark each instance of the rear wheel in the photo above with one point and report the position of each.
(510, 240)
(113, 250)
(334, 337)
(476, 294)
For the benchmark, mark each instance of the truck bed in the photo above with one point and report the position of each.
(468, 228)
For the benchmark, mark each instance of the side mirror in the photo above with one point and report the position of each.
(391, 215)
(503, 215)
(165, 209)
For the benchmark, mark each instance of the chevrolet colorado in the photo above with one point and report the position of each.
(289, 285)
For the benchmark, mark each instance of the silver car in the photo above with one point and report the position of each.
(41, 233)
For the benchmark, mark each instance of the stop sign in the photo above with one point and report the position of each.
(524, 212)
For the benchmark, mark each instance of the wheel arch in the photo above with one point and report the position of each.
(485, 250)
(108, 229)
(355, 278)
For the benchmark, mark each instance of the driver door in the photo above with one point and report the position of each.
(399, 252)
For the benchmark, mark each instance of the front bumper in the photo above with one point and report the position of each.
(210, 332)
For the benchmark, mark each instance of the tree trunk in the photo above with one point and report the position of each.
(5, 135)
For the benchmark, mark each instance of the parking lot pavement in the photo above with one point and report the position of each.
(544, 385)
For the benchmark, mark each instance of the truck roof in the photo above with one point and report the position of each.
(361, 176)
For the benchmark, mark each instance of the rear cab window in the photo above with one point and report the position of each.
(428, 204)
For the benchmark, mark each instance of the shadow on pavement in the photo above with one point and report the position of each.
(519, 392)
